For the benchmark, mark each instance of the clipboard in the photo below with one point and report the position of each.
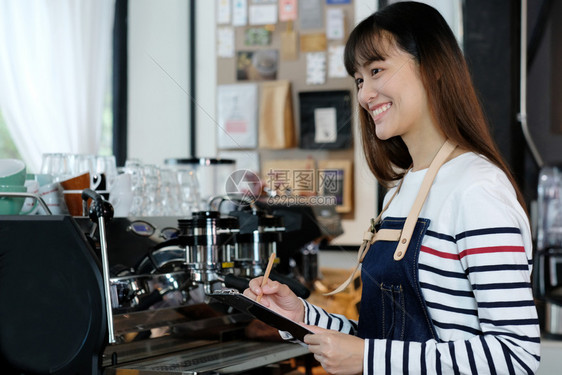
(259, 311)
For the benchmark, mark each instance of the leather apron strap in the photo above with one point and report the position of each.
(444, 152)
(401, 236)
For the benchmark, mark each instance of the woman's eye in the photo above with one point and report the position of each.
(358, 82)
(375, 71)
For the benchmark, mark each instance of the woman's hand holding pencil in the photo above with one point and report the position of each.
(278, 297)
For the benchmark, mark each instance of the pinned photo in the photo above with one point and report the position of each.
(257, 65)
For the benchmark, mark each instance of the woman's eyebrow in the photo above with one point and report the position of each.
(371, 60)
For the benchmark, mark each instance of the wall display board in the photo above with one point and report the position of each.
(293, 52)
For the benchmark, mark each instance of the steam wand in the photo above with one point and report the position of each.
(100, 210)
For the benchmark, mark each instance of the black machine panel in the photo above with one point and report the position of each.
(52, 304)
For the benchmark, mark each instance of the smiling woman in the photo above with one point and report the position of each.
(446, 265)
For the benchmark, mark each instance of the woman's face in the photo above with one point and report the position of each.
(392, 92)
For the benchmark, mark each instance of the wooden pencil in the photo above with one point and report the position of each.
(267, 272)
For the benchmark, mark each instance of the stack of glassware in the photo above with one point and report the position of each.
(161, 191)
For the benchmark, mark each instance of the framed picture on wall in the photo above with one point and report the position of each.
(325, 120)
(335, 179)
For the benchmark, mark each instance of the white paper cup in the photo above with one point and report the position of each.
(52, 195)
(30, 206)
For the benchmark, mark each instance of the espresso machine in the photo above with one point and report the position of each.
(97, 294)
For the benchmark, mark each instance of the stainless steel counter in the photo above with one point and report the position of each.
(224, 358)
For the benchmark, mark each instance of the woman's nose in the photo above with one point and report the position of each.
(367, 94)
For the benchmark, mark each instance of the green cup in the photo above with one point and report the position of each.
(12, 172)
(11, 205)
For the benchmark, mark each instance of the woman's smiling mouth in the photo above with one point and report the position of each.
(379, 110)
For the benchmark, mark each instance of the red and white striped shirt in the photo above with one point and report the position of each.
(474, 271)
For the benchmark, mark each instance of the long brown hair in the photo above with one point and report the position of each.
(421, 31)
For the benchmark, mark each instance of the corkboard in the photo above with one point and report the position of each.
(295, 70)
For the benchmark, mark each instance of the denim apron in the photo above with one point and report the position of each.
(392, 304)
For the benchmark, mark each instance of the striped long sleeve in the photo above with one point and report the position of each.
(474, 273)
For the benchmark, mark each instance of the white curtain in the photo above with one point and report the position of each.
(54, 68)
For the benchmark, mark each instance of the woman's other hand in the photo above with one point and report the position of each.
(278, 297)
(337, 352)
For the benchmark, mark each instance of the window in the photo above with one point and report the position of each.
(7, 147)
(35, 117)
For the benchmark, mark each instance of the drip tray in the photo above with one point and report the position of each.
(224, 358)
